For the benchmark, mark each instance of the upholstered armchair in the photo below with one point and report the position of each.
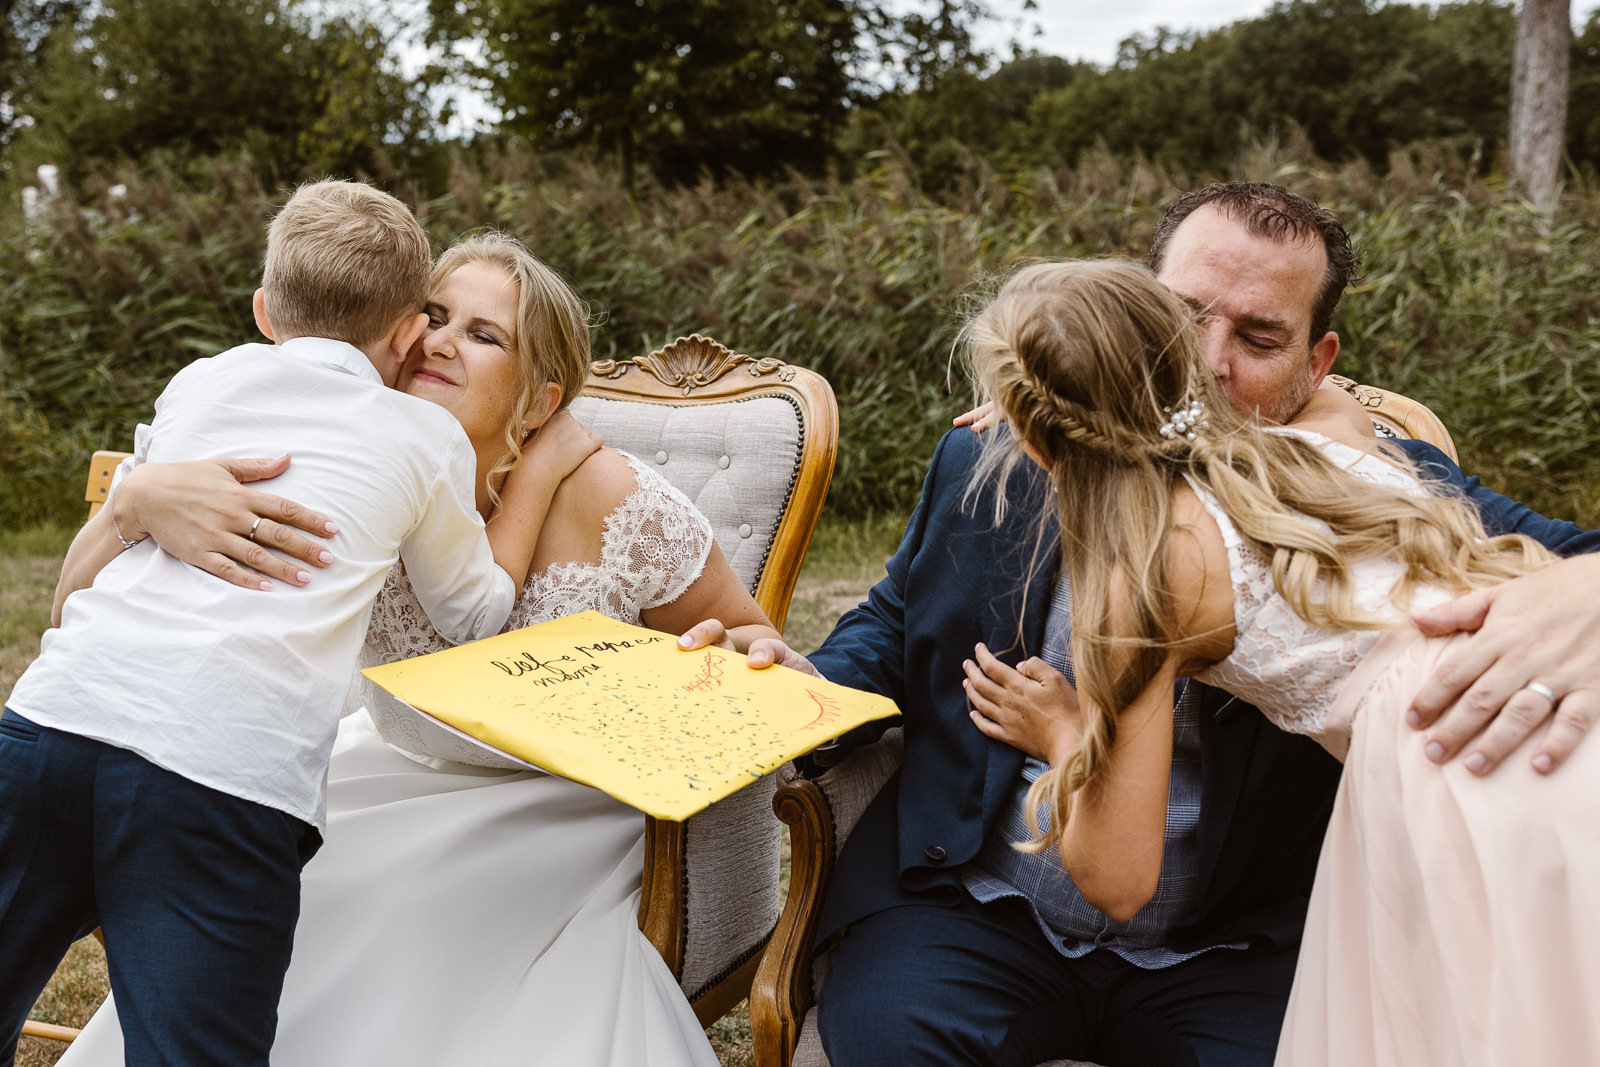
(752, 442)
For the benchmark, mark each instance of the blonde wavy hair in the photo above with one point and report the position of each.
(552, 330)
(1087, 359)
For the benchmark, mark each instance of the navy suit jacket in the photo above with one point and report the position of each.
(957, 579)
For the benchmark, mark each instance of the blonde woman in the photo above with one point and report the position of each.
(462, 910)
(1451, 919)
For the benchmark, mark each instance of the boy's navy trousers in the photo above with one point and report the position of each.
(196, 893)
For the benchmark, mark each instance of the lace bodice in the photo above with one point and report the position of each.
(653, 547)
(1284, 665)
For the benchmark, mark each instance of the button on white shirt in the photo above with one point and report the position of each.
(238, 689)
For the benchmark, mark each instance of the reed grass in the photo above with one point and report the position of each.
(1471, 304)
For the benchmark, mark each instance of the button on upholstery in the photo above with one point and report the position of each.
(722, 461)
(744, 529)
(935, 853)
(661, 457)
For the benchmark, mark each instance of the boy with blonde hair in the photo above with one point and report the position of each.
(162, 762)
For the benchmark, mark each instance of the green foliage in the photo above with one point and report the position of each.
(1583, 103)
(963, 115)
(1467, 306)
(1357, 77)
(25, 26)
(101, 306)
(742, 85)
(192, 78)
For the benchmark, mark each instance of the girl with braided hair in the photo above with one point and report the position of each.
(1451, 920)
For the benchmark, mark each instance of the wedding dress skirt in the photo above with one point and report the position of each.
(466, 917)
(1455, 920)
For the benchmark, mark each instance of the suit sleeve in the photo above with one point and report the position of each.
(1500, 514)
(867, 648)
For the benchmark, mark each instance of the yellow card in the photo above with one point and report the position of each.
(624, 709)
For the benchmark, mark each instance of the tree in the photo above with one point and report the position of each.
(1357, 77)
(198, 77)
(25, 25)
(684, 85)
(965, 112)
(724, 84)
(1539, 97)
(1583, 101)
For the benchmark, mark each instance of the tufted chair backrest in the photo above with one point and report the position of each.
(752, 443)
(736, 459)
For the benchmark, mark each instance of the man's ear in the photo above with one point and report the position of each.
(258, 304)
(1323, 353)
(545, 403)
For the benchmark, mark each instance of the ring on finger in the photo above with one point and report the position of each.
(1541, 689)
(253, 526)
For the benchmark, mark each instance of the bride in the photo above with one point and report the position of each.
(461, 910)
(1451, 920)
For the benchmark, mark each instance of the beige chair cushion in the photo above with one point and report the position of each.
(732, 854)
(736, 460)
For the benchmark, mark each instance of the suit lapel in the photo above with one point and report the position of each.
(1228, 732)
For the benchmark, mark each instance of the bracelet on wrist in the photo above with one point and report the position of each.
(111, 502)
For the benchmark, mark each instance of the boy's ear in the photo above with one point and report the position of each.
(407, 332)
(258, 304)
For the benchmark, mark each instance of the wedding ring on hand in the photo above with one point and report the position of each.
(257, 523)
(1543, 690)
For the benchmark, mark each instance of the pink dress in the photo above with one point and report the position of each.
(1455, 919)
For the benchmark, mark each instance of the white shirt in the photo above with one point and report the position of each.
(239, 689)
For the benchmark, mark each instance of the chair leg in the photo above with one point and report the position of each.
(50, 1031)
(781, 994)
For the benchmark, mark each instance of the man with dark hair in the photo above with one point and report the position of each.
(950, 945)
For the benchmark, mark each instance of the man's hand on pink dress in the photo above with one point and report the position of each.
(1543, 628)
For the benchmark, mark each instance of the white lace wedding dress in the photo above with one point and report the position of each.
(1454, 919)
(462, 914)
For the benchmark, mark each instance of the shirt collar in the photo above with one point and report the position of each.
(340, 355)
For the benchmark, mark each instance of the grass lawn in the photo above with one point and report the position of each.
(846, 558)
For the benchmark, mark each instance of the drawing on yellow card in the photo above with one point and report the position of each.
(625, 710)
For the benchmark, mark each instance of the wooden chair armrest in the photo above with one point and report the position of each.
(781, 993)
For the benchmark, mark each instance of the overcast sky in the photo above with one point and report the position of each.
(1091, 29)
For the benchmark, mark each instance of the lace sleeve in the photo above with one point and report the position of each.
(656, 540)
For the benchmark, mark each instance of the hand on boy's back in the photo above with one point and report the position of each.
(203, 513)
(561, 445)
